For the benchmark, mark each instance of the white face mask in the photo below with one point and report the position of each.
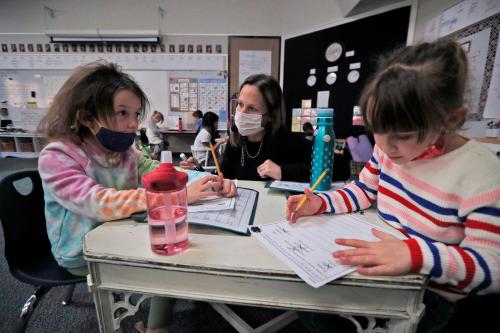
(247, 123)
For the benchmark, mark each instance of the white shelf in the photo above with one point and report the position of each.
(19, 138)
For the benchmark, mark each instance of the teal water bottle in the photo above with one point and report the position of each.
(322, 156)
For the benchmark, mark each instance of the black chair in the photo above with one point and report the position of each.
(27, 247)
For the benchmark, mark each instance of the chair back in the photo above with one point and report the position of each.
(22, 214)
(202, 155)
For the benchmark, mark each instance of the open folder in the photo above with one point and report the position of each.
(237, 219)
(299, 187)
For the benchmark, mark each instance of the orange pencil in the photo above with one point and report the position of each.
(215, 159)
(304, 198)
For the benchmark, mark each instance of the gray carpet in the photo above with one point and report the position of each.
(80, 316)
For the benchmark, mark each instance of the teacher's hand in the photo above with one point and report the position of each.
(269, 169)
(190, 163)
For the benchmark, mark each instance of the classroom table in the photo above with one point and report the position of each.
(225, 268)
(179, 142)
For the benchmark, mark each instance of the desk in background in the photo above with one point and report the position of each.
(222, 267)
(179, 142)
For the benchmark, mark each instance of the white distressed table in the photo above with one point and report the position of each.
(222, 267)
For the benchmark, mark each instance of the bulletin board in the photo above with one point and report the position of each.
(252, 55)
(481, 42)
(183, 94)
(344, 50)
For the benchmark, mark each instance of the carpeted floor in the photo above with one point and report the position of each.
(80, 316)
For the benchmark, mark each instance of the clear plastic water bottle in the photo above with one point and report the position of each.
(166, 198)
(323, 148)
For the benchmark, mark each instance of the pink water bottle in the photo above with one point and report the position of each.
(179, 125)
(166, 196)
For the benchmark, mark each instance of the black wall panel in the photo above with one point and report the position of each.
(368, 38)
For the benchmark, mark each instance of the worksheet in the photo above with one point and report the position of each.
(307, 245)
(237, 219)
(212, 203)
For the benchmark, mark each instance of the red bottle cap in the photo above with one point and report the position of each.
(164, 178)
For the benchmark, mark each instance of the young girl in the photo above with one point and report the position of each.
(155, 137)
(438, 188)
(207, 134)
(90, 171)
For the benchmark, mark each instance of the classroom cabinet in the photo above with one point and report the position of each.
(20, 144)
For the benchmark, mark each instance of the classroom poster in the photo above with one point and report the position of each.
(254, 62)
(492, 108)
(476, 46)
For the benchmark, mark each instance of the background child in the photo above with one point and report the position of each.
(438, 188)
(155, 137)
(197, 115)
(90, 172)
(308, 131)
(207, 134)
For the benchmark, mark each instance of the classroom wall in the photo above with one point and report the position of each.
(18, 19)
(426, 10)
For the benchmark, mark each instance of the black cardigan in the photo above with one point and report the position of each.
(289, 150)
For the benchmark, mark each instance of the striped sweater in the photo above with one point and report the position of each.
(449, 207)
(81, 190)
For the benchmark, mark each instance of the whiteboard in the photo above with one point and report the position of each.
(154, 85)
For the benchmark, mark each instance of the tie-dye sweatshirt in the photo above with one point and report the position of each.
(81, 190)
(449, 207)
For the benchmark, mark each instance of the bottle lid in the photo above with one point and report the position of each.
(324, 113)
(166, 156)
(324, 116)
(165, 178)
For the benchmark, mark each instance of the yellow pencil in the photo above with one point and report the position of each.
(304, 197)
(215, 159)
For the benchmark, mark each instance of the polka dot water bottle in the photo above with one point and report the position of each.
(322, 156)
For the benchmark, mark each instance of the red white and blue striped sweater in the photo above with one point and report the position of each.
(449, 207)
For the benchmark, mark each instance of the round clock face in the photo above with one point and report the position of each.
(333, 52)
(311, 80)
(353, 76)
(331, 78)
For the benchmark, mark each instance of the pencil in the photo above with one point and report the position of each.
(304, 198)
(215, 159)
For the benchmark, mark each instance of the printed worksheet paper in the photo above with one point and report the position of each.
(306, 246)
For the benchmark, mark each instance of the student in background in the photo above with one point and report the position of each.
(308, 130)
(197, 115)
(155, 137)
(208, 133)
(260, 147)
(438, 188)
(90, 171)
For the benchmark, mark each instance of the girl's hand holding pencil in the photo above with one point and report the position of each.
(306, 204)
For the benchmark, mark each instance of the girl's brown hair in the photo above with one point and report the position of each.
(274, 101)
(416, 88)
(90, 89)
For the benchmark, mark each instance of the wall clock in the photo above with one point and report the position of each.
(331, 78)
(353, 76)
(333, 52)
(311, 80)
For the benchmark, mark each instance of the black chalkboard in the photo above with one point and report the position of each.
(368, 38)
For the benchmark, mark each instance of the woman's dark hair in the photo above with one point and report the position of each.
(210, 121)
(91, 90)
(416, 88)
(274, 119)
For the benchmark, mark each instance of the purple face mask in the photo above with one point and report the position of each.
(115, 141)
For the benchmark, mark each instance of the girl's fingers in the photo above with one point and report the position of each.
(353, 242)
(383, 235)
